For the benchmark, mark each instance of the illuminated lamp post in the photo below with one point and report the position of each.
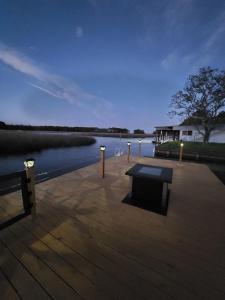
(102, 161)
(139, 148)
(29, 168)
(128, 153)
(181, 151)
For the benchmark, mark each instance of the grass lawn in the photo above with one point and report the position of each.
(15, 142)
(209, 149)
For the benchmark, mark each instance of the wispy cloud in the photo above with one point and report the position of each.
(52, 84)
(218, 32)
(169, 61)
(216, 36)
(162, 22)
(45, 90)
(20, 62)
(79, 32)
(175, 59)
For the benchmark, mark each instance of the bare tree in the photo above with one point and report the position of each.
(202, 98)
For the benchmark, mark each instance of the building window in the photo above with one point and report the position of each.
(187, 132)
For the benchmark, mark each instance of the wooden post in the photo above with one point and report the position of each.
(102, 161)
(128, 153)
(30, 172)
(139, 142)
(181, 151)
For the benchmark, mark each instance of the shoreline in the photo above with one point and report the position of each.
(91, 133)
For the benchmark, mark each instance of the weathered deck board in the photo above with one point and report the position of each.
(100, 248)
(7, 290)
(20, 277)
(100, 278)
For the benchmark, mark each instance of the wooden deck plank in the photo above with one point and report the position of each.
(7, 290)
(70, 275)
(47, 279)
(86, 228)
(121, 291)
(132, 250)
(176, 249)
(150, 246)
(143, 278)
(168, 239)
(19, 277)
(102, 279)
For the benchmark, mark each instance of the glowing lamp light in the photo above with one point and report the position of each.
(139, 141)
(182, 145)
(128, 143)
(29, 163)
(102, 148)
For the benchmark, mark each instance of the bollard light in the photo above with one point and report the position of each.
(139, 142)
(102, 160)
(128, 153)
(181, 151)
(29, 163)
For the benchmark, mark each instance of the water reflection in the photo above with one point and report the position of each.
(53, 162)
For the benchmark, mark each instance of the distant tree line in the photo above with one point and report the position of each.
(139, 131)
(62, 128)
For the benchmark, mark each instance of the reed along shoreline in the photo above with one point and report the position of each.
(21, 142)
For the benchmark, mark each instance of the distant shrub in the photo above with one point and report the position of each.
(138, 131)
(2, 125)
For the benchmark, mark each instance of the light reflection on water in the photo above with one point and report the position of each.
(52, 162)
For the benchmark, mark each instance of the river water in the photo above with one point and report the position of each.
(54, 162)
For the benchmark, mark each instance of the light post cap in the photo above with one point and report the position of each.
(139, 141)
(29, 163)
(102, 148)
(128, 143)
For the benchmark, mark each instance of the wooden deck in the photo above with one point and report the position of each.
(86, 244)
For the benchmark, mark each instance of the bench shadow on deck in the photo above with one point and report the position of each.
(86, 244)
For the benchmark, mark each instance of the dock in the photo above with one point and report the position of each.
(85, 243)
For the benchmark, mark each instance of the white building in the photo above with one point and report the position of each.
(189, 133)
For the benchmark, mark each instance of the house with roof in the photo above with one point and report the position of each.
(188, 133)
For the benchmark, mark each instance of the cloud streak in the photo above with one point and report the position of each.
(79, 32)
(20, 63)
(219, 31)
(215, 36)
(52, 84)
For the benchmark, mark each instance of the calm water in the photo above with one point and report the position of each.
(54, 162)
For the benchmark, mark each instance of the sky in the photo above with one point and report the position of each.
(104, 63)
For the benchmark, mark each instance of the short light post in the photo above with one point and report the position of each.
(139, 147)
(29, 168)
(181, 151)
(102, 161)
(128, 153)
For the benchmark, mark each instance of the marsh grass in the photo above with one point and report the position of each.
(15, 142)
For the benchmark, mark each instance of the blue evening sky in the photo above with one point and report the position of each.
(103, 62)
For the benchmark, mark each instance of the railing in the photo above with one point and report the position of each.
(27, 205)
(165, 140)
